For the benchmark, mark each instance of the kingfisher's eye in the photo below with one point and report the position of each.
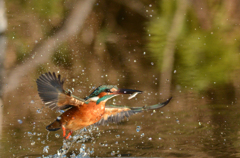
(107, 90)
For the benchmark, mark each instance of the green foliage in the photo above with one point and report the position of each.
(202, 57)
(62, 57)
(22, 51)
(158, 30)
(48, 8)
(41, 69)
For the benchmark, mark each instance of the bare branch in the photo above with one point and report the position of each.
(3, 40)
(42, 52)
(168, 53)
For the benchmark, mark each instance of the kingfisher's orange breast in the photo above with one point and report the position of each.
(82, 116)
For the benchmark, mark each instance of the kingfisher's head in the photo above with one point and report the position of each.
(106, 92)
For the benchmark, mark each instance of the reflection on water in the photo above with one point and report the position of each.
(177, 130)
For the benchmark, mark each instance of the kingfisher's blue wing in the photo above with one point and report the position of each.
(115, 114)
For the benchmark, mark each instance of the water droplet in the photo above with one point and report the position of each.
(214, 82)
(152, 63)
(117, 136)
(138, 128)
(39, 111)
(32, 101)
(142, 135)
(174, 71)
(29, 134)
(20, 121)
(57, 135)
(45, 149)
(144, 53)
(150, 138)
(32, 143)
(150, 5)
(59, 118)
(73, 80)
(160, 138)
(113, 153)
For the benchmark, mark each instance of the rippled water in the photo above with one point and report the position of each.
(184, 128)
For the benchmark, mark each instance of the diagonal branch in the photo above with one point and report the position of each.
(42, 52)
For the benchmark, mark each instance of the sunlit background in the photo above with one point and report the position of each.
(187, 49)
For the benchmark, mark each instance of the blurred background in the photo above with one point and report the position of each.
(188, 49)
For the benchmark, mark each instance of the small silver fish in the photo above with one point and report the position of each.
(133, 95)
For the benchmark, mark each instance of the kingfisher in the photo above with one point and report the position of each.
(79, 113)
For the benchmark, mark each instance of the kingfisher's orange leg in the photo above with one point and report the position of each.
(64, 131)
(69, 134)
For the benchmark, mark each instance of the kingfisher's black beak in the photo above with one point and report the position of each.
(126, 91)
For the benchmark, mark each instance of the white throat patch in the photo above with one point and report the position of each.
(93, 99)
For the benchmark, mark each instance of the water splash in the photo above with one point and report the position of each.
(45, 149)
(81, 136)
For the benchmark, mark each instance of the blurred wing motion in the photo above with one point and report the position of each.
(115, 114)
(50, 89)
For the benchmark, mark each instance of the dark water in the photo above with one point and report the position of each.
(187, 127)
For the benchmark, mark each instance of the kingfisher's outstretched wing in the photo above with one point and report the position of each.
(115, 114)
(50, 90)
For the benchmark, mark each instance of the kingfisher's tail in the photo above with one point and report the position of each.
(56, 125)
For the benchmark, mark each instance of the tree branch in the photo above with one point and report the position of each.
(42, 52)
(168, 53)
